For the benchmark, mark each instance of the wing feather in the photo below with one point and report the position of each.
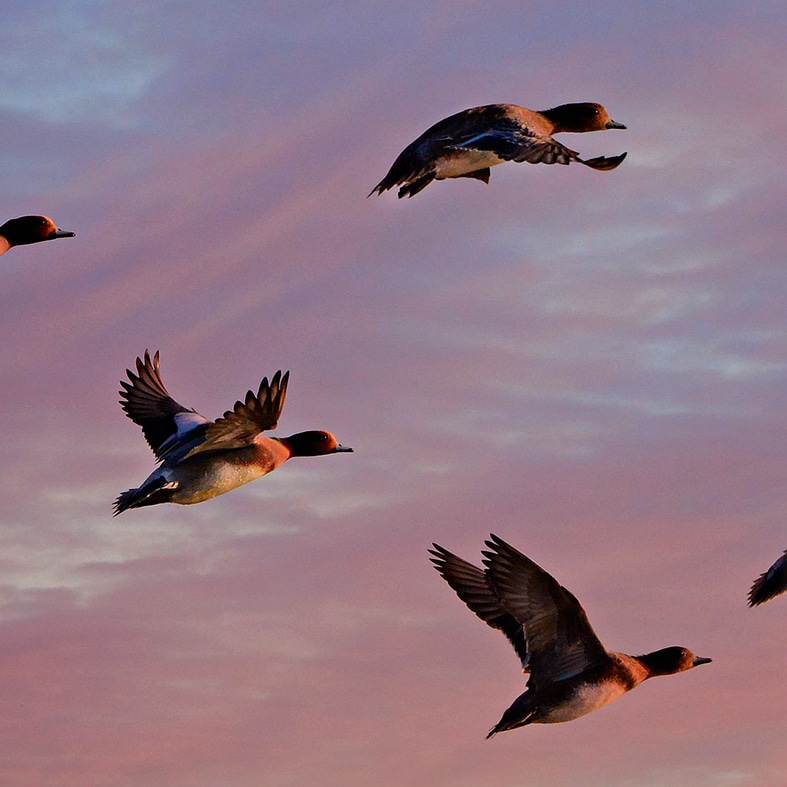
(146, 401)
(257, 413)
(560, 638)
(472, 586)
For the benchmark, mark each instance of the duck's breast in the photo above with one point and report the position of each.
(207, 475)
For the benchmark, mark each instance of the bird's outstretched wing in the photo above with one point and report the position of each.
(560, 638)
(165, 423)
(257, 413)
(472, 586)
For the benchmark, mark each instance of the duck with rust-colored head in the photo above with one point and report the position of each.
(29, 229)
(571, 672)
(467, 144)
(201, 459)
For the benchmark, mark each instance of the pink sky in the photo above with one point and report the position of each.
(591, 365)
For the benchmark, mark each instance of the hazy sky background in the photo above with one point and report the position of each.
(591, 365)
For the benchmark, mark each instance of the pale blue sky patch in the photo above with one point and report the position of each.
(695, 355)
(598, 241)
(66, 66)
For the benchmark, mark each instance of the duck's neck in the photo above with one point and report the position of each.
(654, 663)
(553, 115)
(278, 449)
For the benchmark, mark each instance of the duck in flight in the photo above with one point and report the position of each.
(201, 459)
(29, 229)
(570, 672)
(467, 144)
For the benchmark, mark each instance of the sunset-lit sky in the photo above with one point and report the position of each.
(591, 365)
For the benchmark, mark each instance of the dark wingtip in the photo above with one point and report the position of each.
(124, 501)
(759, 594)
(413, 187)
(494, 541)
(117, 506)
(438, 556)
(770, 583)
(755, 597)
(604, 163)
(382, 186)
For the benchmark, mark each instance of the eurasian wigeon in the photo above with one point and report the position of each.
(467, 144)
(29, 229)
(770, 584)
(199, 458)
(571, 672)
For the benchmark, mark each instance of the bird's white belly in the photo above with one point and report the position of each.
(460, 162)
(213, 481)
(586, 699)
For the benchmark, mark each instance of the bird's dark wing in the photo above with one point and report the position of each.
(473, 587)
(560, 638)
(771, 583)
(257, 413)
(511, 141)
(165, 423)
(415, 166)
